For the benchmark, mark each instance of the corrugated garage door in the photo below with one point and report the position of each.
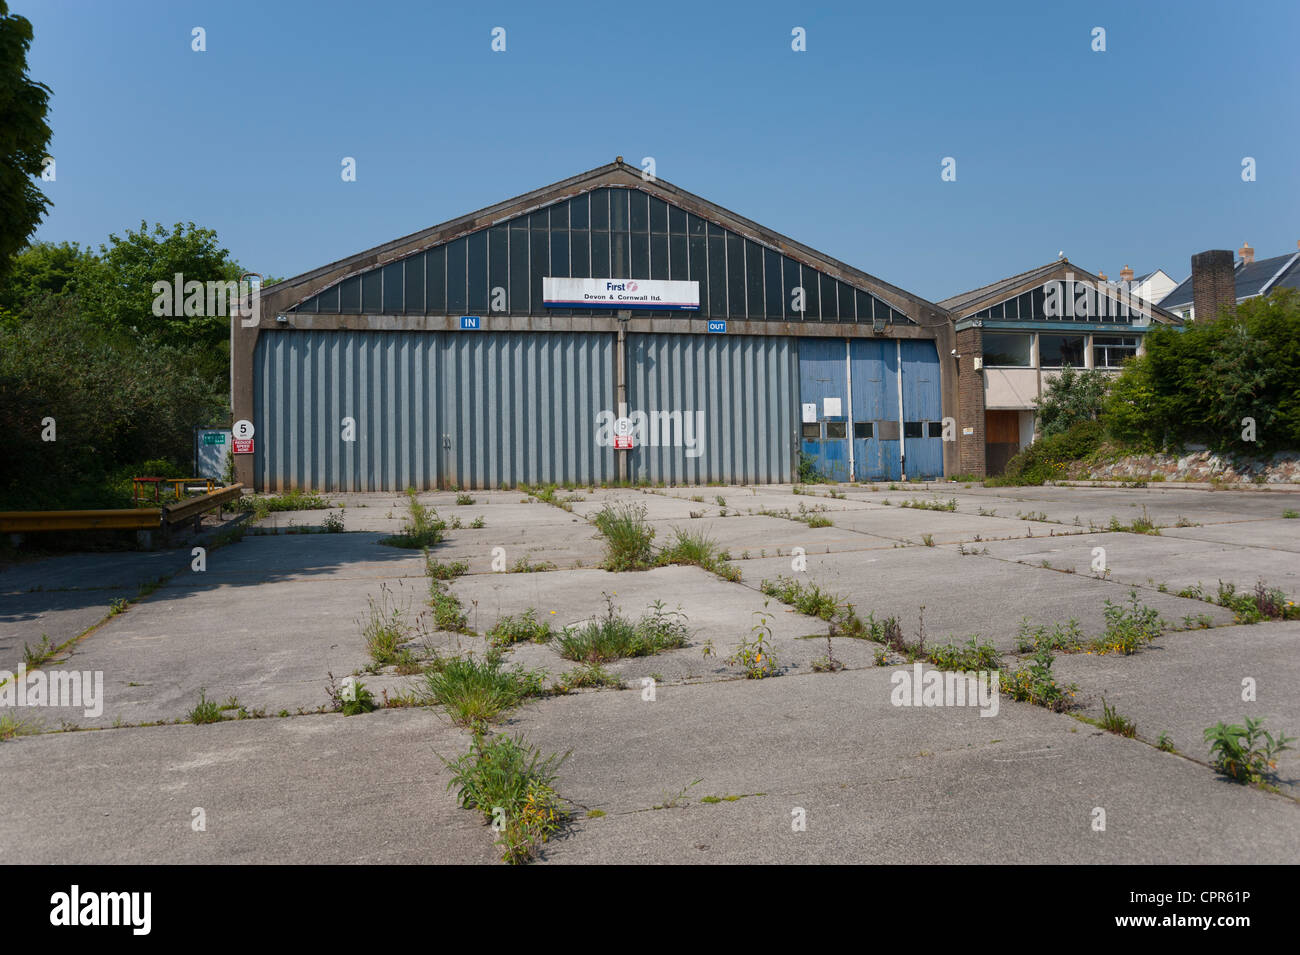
(732, 397)
(473, 409)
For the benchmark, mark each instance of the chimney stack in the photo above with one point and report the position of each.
(1126, 274)
(1247, 254)
(1102, 276)
(1214, 284)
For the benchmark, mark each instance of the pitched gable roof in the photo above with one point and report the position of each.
(285, 295)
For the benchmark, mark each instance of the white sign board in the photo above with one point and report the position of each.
(810, 412)
(243, 429)
(832, 407)
(620, 293)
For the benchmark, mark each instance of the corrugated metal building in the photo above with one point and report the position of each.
(463, 356)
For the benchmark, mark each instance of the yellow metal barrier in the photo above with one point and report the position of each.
(125, 519)
(130, 519)
(174, 514)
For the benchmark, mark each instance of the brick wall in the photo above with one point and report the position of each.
(970, 403)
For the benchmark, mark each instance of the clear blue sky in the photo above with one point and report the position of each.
(1132, 155)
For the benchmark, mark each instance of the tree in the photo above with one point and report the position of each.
(24, 138)
(44, 268)
(1072, 397)
(1204, 383)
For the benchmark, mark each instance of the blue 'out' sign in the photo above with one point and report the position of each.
(719, 328)
(469, 323)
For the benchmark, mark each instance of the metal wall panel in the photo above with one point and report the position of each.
(473, 409)
(742, 391)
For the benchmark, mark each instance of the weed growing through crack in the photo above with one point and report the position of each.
(475, 692)
(512, 784)
(386, 626)
(1034, 682)
(756, 656)
(1247, 754)
(205, 710)
(440, 570)
(628, 537)
(12, 726)
(525, 565)
(1061, 637)
(935, 505)
(972, 655)
(614, 636)
(1112, 722)
(421, 527)
(35, 656)
(524, 627)
(587, 676)
(808, 599)
(1128, 627)
(700, 550)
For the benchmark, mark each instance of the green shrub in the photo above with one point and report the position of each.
(1047, 458)
(1197, 384)
(1075, 395)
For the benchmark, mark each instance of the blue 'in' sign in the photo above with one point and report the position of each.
(718, 327)
(469, 323)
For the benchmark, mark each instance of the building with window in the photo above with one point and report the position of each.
(511, 344)
(1014, 337)
(614, 327)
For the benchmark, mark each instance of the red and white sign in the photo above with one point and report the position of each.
(243, 445)
(623, 434)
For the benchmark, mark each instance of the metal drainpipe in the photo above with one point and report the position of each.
(620, 372)
(902, 437)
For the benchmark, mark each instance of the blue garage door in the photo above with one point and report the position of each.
(922, 410)
(875, 410)
(824, 399)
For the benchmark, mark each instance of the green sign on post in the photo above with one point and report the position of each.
(214, 437)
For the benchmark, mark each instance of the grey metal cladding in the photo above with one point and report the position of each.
(744, 390)
(472, 409)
